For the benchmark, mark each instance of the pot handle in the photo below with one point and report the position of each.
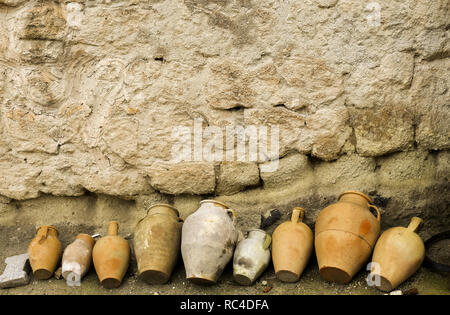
(42, 233)
(232, 214)
(415, 225)
(267, 241)
(298, 213)
(377, 210)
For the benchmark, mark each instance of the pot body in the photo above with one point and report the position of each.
(208, 239)
(77, 258)
(251, 257)
(157, 241)
(291, 247)
(345, 234)
(399, 253)
(111, 257)
(45, 252)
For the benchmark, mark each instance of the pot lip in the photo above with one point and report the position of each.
(369, 199)
(48, 226)
(214, 201)
(165, 205)
(257, 230)
(84, 235)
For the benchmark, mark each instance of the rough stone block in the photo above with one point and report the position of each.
(235, 176)
(183, 178)
(382, 130)
(290, 169)
(406, 166)
(347, 171)
(16, 272)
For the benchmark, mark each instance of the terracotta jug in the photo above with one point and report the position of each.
(251, 257)
(291, 247)
(345, 235)
(45, 252)
(208, 239)
(157, 241)
(399, 252)
(111, 257)
(77, 258)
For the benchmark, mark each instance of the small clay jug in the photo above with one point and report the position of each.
(208, 239)
(251, 257)
(398, 254)
(345, 235)
(291, 247)
(45, 252)
(77, 258)
(111, 257)
(157, 242)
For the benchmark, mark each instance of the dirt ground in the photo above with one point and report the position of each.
(15, 241)
(88, 214)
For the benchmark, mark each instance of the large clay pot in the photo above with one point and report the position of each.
(291, 247)
(45, 252)
(345, 235)
(111, 257)
(208, 239)
(77, 258)
(251, 257)
(157, 241)
(399, 252)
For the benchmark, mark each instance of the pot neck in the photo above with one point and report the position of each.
(113, 228)
(215, 203)
(356, 197)
(47, 230)
(257, 234)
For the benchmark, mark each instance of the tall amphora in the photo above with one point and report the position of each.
(77, 258)
(111, 257)
(44, 252)
(345, 235)
(398, 254)
(291, 247)
(208, 240)
(157, 241)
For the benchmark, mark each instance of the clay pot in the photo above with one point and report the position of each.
(77, 258)
(208, 239)
(345, 235)
(45, 252)
(157, 241)
(399, 252)
(291, 247)
(111, 257)
(251, 257)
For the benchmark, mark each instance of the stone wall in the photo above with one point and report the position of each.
(91, 91)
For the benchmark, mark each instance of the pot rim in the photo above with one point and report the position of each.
(256, 229)
(48, 226)
(164, 205)
(369, 199)
(214, 201)
(85, 237)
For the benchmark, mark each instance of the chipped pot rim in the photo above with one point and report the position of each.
(215, 201)
(48, 227)
(164, 205)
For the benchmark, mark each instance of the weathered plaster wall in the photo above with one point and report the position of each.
(90, 92)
